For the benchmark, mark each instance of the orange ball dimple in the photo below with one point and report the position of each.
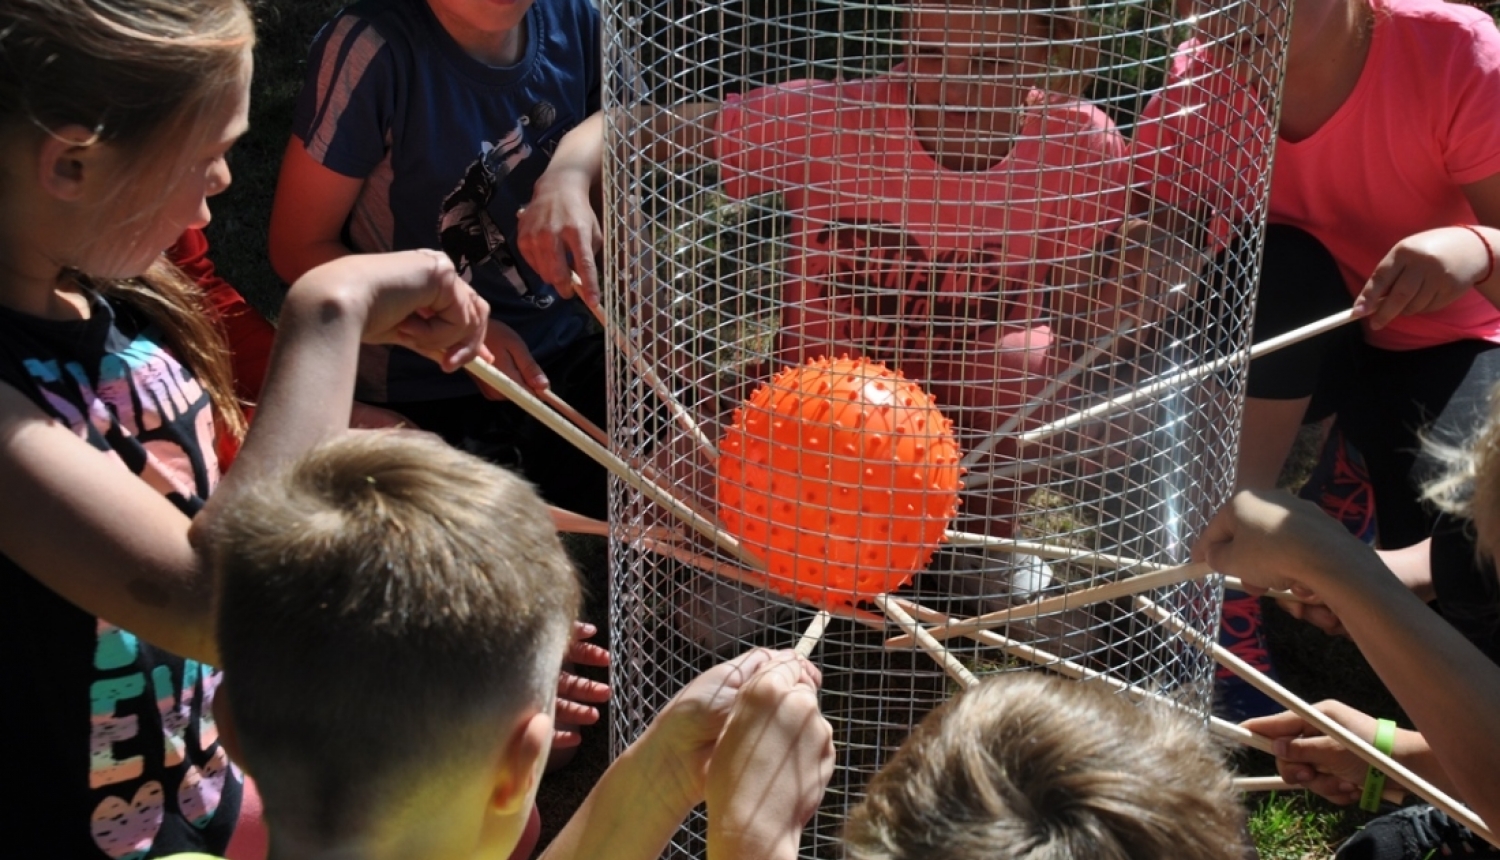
(846, 493)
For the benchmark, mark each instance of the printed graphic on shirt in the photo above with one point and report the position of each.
(469, 234)
(139, 778)
(145, 409)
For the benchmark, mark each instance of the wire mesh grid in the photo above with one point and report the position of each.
(1046, 218)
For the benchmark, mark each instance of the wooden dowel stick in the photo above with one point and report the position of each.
(1068, 600)
(1091, 355)
(1068, 669)
(934, 648)
(1054, 552)
(562, 407)
(1074, 555)
(679, 412)
(600, 454)
(1256, 351)
(578, 524)
(1234, 583)
(748, 578)
(645, 470)
(567, 521)
(1249, 784)
(814, 633)
(1350, 741)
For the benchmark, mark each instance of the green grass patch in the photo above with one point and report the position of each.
(1299, 826)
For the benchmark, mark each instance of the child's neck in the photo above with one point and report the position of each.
(36, 287)
(36, 237)
(504, 48)
(977, 151)
(1324, 66)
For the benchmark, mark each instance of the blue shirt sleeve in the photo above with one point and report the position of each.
(344, 113)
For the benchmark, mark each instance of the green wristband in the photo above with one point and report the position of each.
(1385, 742)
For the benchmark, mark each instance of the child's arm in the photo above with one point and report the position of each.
(1306, 757)
(768, 772)
(1429, 270)
(558, 231)
(1448, 687)
(308, 214)
(114, 546)
(653, 785)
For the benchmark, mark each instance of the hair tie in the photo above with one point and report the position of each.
(1385, 742)
(1489, 251)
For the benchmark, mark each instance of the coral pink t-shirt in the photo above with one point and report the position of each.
(1422, 122)
(898, 258)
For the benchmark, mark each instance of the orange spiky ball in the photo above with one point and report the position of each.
(842, 476)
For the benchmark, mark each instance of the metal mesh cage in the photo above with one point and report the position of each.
(1025, 210)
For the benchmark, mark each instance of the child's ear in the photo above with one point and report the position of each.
(521, 763)
(67, 157)
(229, 731)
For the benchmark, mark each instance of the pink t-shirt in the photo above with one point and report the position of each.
(1422, 122)
(901, 260)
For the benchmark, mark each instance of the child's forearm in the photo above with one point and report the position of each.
(579, 157)
(1489, 285)
(1446, 685)
(630, 814)
(750, 840)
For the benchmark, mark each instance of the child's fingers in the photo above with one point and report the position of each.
(451, 343)
(1396, 297)
(588, 654)
(587, 285)
(564, 739)
(512, 358)
(1282, 725)
(583, 652)
(577, 688)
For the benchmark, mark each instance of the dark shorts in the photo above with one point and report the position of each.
(1385, 400)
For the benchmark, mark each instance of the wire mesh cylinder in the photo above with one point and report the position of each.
(1028, 212)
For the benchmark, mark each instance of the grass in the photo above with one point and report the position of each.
(1288, 827)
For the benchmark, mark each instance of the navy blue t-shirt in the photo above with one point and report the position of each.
(448, 149)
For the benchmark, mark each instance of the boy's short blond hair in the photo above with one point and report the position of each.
(388, 605)
(1028, 765)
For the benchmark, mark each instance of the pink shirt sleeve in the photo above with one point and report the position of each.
(1085, 167)
(1202, 144)
(1471, 90)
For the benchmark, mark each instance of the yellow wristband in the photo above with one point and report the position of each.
(1385, 742)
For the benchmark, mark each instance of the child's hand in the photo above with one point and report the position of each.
(577, 696)
(414, 299)
(770, 767)
(1423, 273)
(1312, 610)
(512, 358)
(558, 234)
(1273, 540)
(684, 734)
(1306, 757)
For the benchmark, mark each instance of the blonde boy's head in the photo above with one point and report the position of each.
(1032, 766)
(390, 609)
